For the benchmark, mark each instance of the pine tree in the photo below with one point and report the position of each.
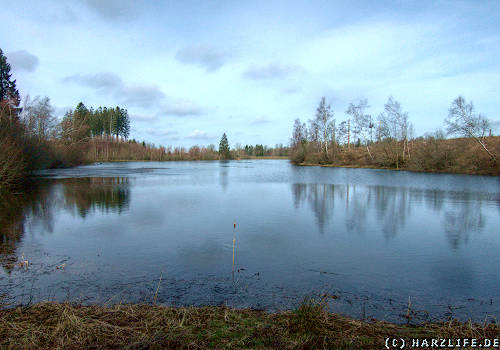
(8, 90)
(224, 152)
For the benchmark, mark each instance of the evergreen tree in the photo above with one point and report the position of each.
(224, 152)
(123, 122)
(259, 150)
(8, 90)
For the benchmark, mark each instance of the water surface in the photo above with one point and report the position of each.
(120, 232)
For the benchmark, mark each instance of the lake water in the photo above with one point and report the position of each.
(146, 231)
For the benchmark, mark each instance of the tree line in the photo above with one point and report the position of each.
(389, 140)
(32, 138)
(249, 151)
(103, 121)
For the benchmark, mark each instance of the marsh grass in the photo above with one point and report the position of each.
(311, 326)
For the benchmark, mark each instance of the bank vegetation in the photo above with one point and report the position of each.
(310, 326)
(388, 141)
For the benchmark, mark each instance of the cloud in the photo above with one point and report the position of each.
(136, 95)
(141, 95)
(271, 71)
(113, 9)
(260, 121)
(23, 60)
(180, 109)
(140, 117)
(208, 57)
(105, 80)
(291, 90)
(170, 134)
(199, 135)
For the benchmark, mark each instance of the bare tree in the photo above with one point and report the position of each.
(394, 126)
(342, 132)
(362, 122)
(299, 133)
(313, 133)
(463, 120)
(324, 120)
(299, 141)
(38, 117)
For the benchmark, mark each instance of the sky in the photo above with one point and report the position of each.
(188, 71)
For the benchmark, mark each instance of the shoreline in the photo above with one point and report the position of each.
(351, 166)
(395, 169)
(50, 325)
(186, 160)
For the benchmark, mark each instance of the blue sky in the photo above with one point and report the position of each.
(187, 71)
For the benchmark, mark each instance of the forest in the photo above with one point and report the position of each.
(389, 141)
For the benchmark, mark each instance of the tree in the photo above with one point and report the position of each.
(8, 90)
(224, 152)
(324, 121)
(75, 126)
(123, 123)
(362, 122)
(299, 141)
(463, 120)
(342, 132)
(38, 117)
(259, 150)
(299, 135)
(394, 127)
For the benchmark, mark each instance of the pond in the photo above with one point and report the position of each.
(165, 232)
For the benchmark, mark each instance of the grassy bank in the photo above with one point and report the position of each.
(459, 156)
(54, 325)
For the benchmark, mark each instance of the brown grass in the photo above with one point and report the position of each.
(66, 326)
(460, 155)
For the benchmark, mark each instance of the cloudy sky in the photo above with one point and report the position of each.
(187, 71)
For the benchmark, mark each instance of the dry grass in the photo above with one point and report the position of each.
(66, 326)
(459, 155)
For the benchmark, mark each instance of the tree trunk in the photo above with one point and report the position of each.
(484, 146)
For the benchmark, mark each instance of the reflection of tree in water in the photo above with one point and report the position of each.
(434, 199)
(84, 195)
(356, 209)
(392, 206)
(223, 174)
(15, 209)
(459, 223)
(320, 198)
(36, 205)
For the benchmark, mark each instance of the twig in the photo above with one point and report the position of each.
(157, 288)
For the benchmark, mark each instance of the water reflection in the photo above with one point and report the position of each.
(223, 174)
(460, 223)
(105, 194)
(15, 210)
(34, 208)
(370, 237)
(460, 212)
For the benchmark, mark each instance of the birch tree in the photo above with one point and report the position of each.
(463, 120)
(325, 123)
